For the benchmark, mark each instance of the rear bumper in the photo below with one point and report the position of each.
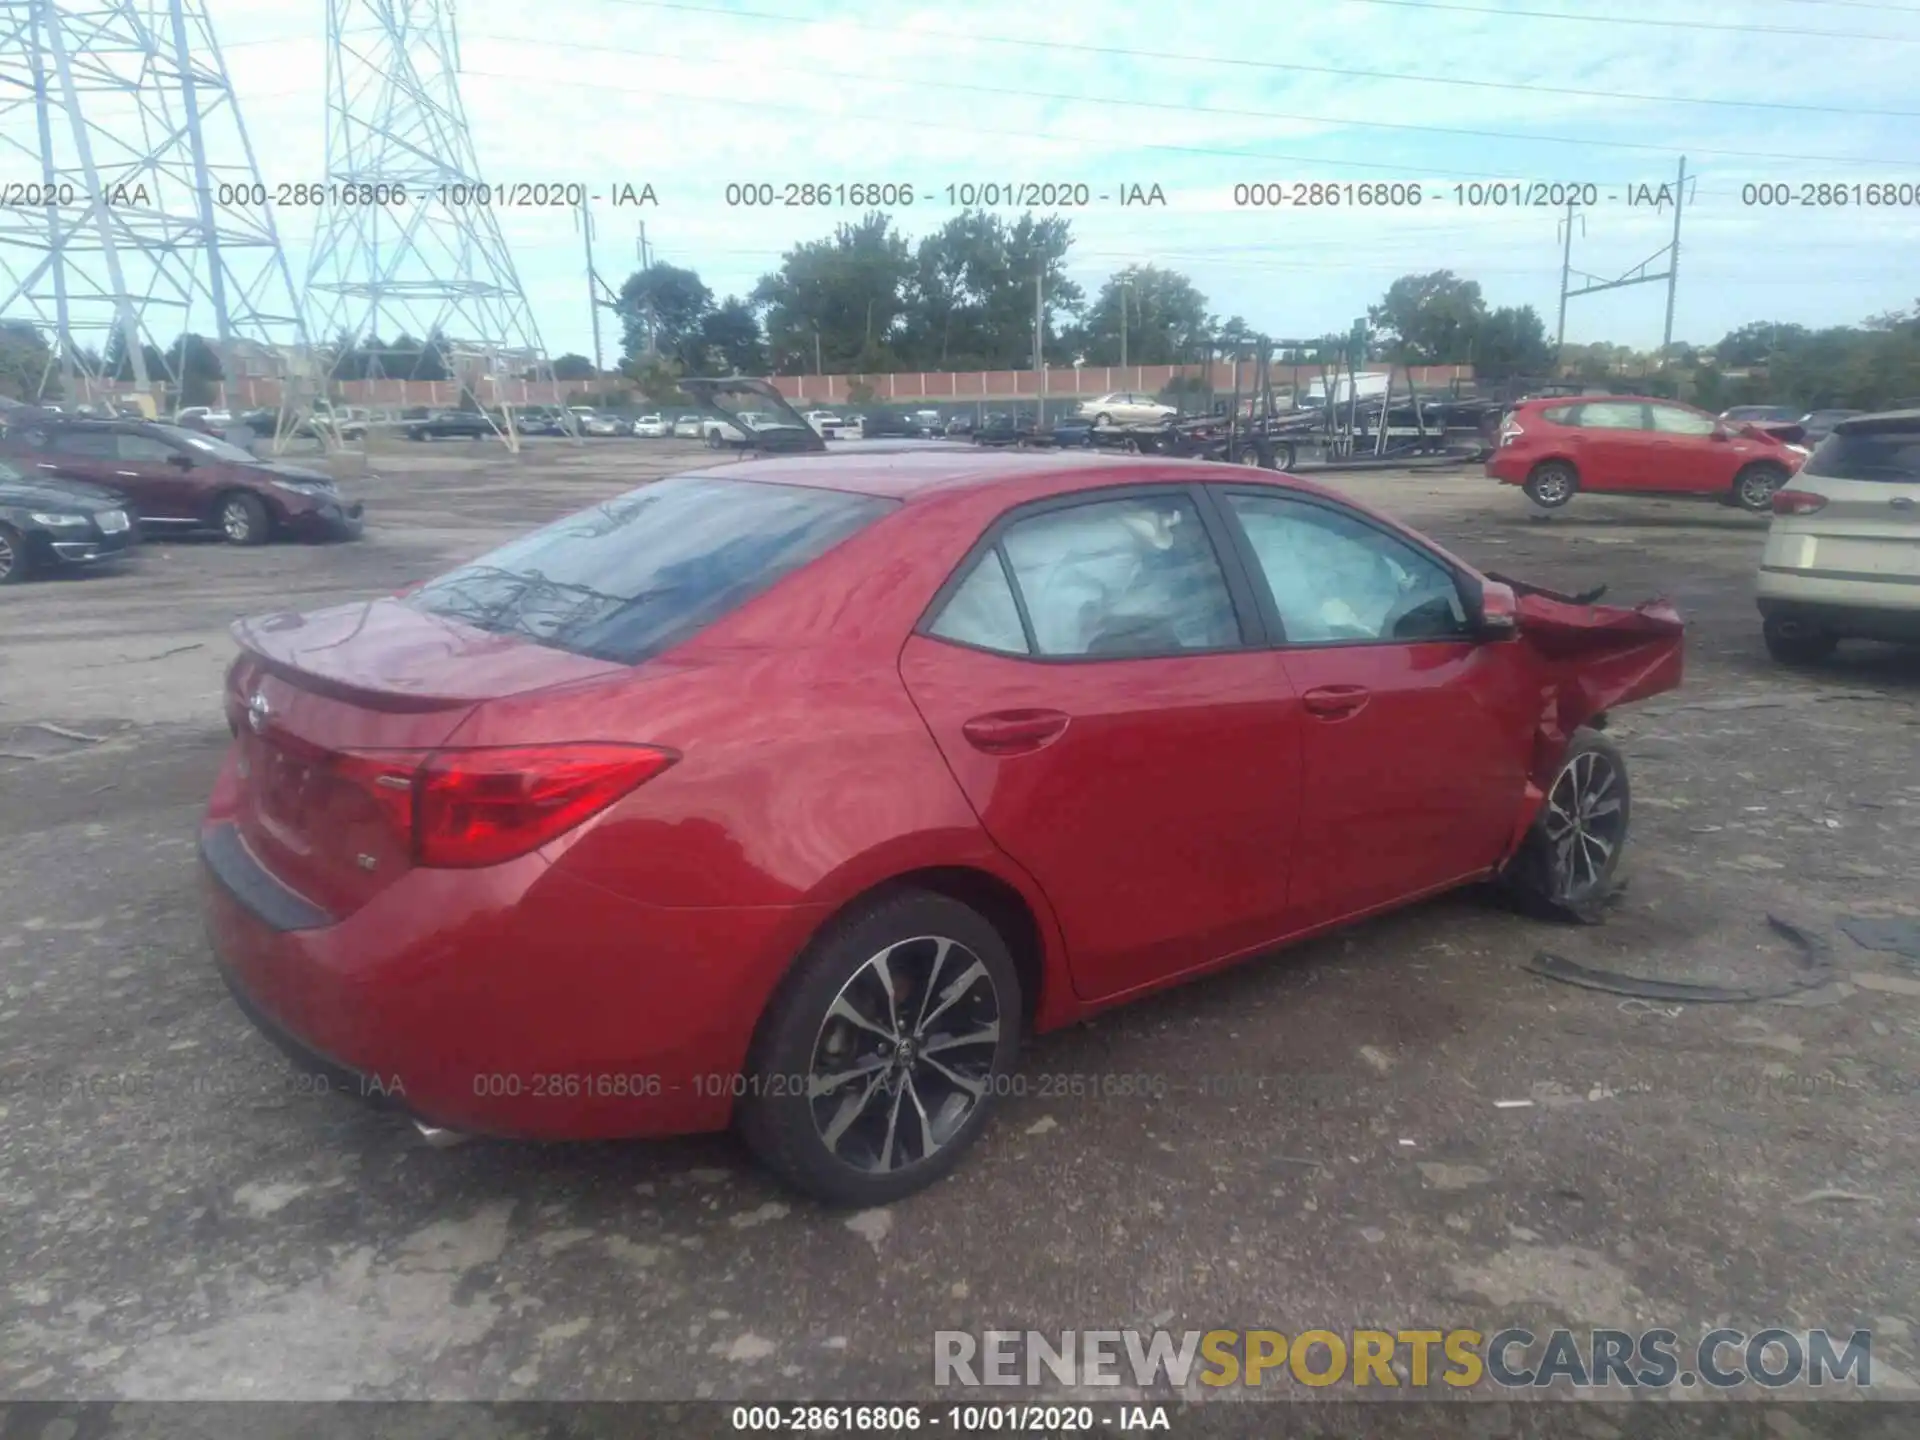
(1849, 619)
(511, 1001)
(1506, 467)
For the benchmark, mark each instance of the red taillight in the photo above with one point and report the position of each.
(460, 809)
(1797, 502)
(480, 807)
(388, 778)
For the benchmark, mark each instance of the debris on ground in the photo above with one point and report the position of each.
(1851, 1197)
(1815, 957)
(1895, 934)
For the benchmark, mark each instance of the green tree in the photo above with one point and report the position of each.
(730, 336)
(196, 370)
(27, 365)
(1511, 341)
(1164, 317)
(117, 363)
(1429, 319)
(835, 304)
(574, 367)
(671, 302)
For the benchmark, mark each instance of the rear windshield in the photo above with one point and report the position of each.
(627, 579)
(1891, 455)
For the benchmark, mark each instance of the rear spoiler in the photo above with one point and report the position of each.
(799, 436)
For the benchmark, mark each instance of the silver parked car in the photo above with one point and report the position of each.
(1843, 554)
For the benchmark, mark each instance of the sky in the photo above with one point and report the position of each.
(1196, 98)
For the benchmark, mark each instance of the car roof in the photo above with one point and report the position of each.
(912, 471)
(1879, 420)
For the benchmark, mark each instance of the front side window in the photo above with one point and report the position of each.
(1334, 578)
(1672, 420)
(630, 578)
(1121, 578)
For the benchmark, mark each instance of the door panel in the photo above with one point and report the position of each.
(1683, 456)
(1414, 786)
(164, 491)
(1612, 449)
(1414, 740)
(1159, 819)
(1088, 678)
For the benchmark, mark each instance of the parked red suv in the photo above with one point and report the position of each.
(178, 479)
(1627, 444)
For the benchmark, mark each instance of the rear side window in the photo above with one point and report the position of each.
(1890, 455)
(983, 611)
(1119, 579)
(627, 579)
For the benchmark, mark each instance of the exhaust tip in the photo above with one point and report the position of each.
(437, 1138)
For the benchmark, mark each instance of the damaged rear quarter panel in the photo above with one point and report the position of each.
(1588, 659)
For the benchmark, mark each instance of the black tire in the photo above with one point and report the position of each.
(16, 564)
(713, 440)
(1283, 457)
(243, 518)
(1552, 484)
(1797, 642)
(786, 1125)
(1753, 487)
(1559, 867)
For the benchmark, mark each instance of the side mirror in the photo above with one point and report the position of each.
(181, 460)
(1720, 431)
(1498, 616)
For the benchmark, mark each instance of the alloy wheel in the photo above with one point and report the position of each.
(235, 521)
(1551, 487)
(1585, 824)
(8, 558)
(905, 1054)
(1757, 487)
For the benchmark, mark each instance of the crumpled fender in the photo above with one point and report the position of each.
(1589, 658)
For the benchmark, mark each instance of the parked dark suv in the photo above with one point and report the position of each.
(177, 480)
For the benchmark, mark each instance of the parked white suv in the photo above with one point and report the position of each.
(1843, 554)
(1124, 407)
(652, 427)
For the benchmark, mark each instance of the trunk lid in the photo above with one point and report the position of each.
(314, 699)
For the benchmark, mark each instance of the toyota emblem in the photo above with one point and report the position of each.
(257, 712)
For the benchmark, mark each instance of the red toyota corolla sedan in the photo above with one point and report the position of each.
(1630, 445)
(791, 794)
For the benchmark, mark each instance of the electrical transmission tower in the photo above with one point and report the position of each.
(144, 219)
(407, 244)
(1638, 275)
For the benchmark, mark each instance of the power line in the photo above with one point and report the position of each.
(1616, 20)
(1162, 57)
(923, 83)
(1319, 162)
